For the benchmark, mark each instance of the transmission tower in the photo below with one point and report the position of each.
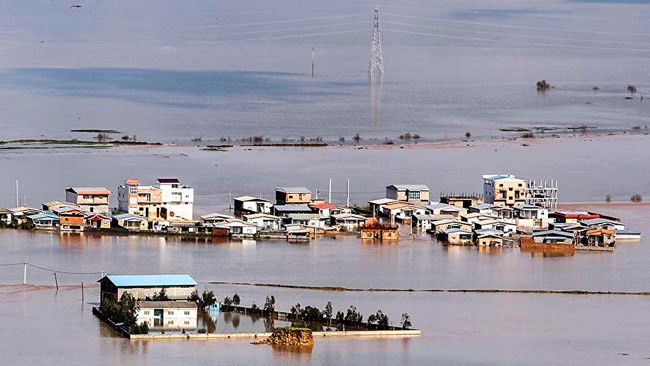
(376, 58)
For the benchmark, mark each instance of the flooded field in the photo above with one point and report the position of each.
(457, 328)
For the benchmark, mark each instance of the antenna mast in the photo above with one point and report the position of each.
(376, 57)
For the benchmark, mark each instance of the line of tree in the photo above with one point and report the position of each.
(124, 313)
(204, 301)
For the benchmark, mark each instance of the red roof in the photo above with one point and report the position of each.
(322, 206)
(578, 215)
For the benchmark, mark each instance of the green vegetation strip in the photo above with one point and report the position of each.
(479, 291)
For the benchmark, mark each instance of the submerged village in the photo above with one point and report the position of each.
(508, 212)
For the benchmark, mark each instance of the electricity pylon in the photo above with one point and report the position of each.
(376, 57)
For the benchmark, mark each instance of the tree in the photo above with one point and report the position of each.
(636, 198)
(160, 296)
(208, 299)
(327, 313)
(631, 88)
(608, 198)
(340, 317)
(235, 299)
(227, 301)
(353, 317)
(296, 310)
(406, 321)
(269, 305)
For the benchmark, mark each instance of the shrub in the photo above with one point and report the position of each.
(636, 198)
(406, 321)
(468, 135)
(227, 301)
(631, 88)
(528, 135)
(235, 299)
(357, 138)
(608, 198)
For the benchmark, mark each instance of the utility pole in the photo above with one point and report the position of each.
(347, 201)
(17, 199)
(24, 273)
(376, 56)
(230, 200)
(329, 195)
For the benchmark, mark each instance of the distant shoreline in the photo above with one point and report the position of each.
(374, 144)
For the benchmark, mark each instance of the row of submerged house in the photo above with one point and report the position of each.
(167, 207)
(509, 210)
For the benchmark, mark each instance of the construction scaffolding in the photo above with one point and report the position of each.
(542, 193)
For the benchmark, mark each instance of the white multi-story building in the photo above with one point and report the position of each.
(136, 199)
(177, 199)
(504, 190)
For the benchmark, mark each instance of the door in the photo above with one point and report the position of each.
(158, 317)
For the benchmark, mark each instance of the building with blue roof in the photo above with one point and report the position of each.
(177, 286)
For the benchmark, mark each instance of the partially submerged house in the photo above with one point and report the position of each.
(348, 222)
(444, 224)
(168, 315)
(373, 230)
(264, 221)
(598, 239)
(130, 222)
(251, 205)
(46, 220)
(97, 221)
(462, 200)
(292, 195)
(71, 219)
(440, 208)
(411, 193)
(90, 199)
(553, 236)
(284, 210)
(5, 216)
(456, 236)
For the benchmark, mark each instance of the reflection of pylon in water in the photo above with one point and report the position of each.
(376, 91)
(376, 57)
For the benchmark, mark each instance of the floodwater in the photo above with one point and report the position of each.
(461, 329)
(173, 71)
(588, 169)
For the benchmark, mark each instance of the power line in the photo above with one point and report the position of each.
(518, 42)
(515, 26)
(513, 35)
(281, 21)
(295, 36)
(64, 272)
(292, 29)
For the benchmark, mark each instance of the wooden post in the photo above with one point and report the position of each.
(56, 282)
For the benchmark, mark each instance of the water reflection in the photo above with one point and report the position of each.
(376, 92)
(293, 353)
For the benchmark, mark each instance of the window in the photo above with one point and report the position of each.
(187, 322)
(171, 322)
(186, 313)
(146, 312)
(413, 195)
(170, 313)
(87, 197)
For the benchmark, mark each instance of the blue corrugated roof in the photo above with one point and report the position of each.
(151, 280)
